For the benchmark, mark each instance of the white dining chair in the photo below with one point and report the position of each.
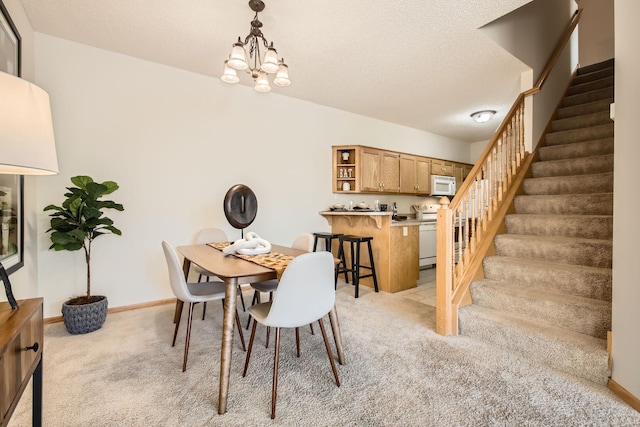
(192, 293)
(303, 242)
(211, 235)
(305, 294)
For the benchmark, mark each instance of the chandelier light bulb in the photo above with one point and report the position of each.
(229, 75)
(238, 57)
(270, 62)
(262, 83)
(282, 77)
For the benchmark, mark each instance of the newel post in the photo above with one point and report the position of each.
(445, 317)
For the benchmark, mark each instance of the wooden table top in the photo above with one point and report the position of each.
(229, 266)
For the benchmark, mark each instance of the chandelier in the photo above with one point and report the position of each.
(257, 65)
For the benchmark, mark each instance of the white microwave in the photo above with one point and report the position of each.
(443, 185)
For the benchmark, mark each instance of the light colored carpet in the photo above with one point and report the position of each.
(398, 372)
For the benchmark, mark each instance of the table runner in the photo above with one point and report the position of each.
(273, 260)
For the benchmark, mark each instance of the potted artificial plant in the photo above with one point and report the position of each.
(74, 226)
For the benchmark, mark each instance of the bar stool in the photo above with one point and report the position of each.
(355, 243)
(328, 244)
(327, 238)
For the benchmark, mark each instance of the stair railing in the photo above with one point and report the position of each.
(467, 225)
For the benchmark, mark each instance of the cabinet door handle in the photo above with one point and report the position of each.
(34, 347)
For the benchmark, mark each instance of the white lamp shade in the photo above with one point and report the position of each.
(282, 77)
(229, 75)
(270, 62)
(262, 83)
(27, 144)
(238, 57)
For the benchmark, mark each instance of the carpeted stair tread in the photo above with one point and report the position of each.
(579, 314)
(576, 122)
(586, 108)
(582, 134)
(570, 250)
(580, 226)
(584, 98)
(579, 280)
(590, 85)
(577, 149)
(565, 204)
(575, 166)
(571, 352)
(591, 68)
(575, 184)
(593, 75)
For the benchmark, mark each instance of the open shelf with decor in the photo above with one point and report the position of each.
(344, 170)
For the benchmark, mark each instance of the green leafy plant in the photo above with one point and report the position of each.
(80, 220)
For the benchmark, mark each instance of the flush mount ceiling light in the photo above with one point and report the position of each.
(257, 65)
(483, 116)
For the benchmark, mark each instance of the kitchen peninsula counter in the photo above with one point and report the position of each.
(395, 246)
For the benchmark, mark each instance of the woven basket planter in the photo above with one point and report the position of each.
(84, 318)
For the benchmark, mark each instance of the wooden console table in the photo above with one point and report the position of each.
(21, 339)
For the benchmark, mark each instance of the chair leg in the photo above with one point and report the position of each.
(274, 389)
(246, 361)
(311, 327)
(240, 331)
(204, 306)
(254, 300)
(186, 342)
(266, 345)
(326, 345)
(298, 341)
(176, 320)
(241, 298)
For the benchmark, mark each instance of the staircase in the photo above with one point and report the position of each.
(547, 291)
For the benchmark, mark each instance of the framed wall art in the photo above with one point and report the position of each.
(11, 186)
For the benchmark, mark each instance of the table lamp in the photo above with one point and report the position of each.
(27, 144)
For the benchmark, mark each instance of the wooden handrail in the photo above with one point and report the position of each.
(562, 43)
(477, 211)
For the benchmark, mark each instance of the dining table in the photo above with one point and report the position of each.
(236, 271)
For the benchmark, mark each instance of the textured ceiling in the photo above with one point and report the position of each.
(417, 63)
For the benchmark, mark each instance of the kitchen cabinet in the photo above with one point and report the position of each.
(379, 171)
(423, 171)
(414, 174)
(458, 173)
(441, 167)
(361, 169)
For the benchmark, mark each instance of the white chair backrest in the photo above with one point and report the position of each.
(176, 275)
(305, 292)
(209, 235)
(303, 242)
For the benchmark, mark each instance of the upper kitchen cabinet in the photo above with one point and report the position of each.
(360, 169)
(414, 174)
(441, 167)
(379, 171)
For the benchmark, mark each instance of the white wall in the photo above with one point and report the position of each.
(626, 233)
(596, 31)
(176, 142)
(530, 33)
